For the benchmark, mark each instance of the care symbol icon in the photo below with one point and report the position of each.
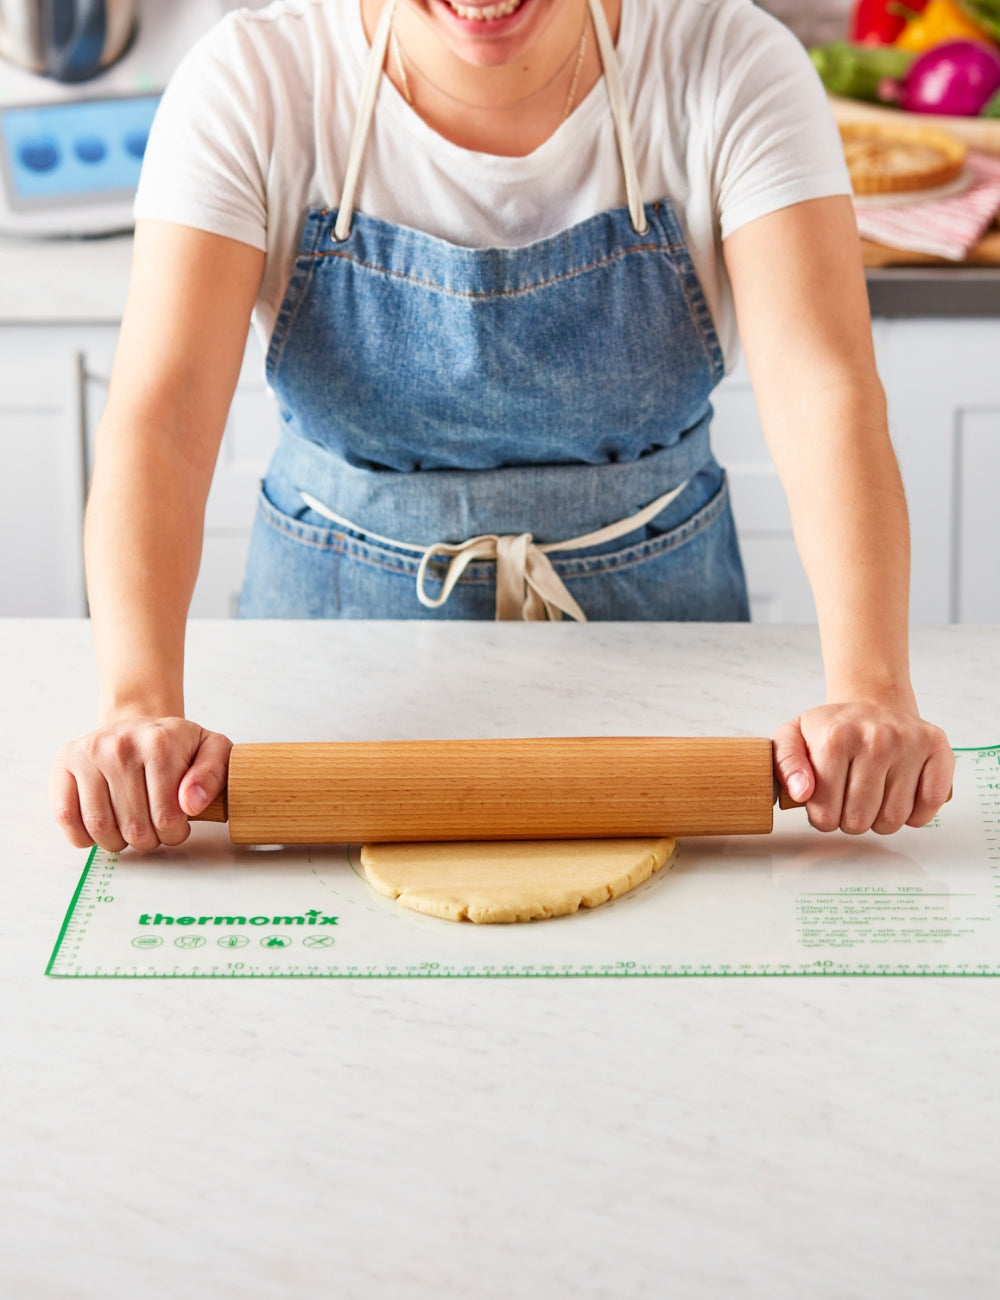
(233, 941)
(318, 941)
(190, 941)
(275, 941)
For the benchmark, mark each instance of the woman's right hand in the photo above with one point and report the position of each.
(136, 782)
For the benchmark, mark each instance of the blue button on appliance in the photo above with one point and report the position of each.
(72, 167)
(90, 148)
(38, 154)
(135, 143)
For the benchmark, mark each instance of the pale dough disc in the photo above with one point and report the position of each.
(517, 880)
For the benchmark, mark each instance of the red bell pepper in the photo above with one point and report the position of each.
(880, 22)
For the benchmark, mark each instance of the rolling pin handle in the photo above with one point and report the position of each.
(216, 811)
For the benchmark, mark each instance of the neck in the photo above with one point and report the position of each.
(507, 106)
(441, 69)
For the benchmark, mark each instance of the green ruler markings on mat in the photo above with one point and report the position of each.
(920, 903)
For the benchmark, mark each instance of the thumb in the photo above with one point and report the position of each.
(207, 774)
(791, 761)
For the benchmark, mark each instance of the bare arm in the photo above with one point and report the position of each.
(865, 759)
(178, 360)
(177, 363)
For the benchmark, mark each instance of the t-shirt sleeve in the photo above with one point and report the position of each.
(206, 160)
(776, 142)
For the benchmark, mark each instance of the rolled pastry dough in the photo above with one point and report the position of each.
(518, 880)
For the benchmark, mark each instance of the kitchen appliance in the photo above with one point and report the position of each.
(576, 788)
(70, 151)
(73, 163)
(70, 40)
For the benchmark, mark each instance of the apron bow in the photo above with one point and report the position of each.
(527, 586)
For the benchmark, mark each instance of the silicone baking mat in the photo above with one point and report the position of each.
(796, 902)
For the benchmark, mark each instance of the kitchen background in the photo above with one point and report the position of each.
(813, 21)
(937, 333)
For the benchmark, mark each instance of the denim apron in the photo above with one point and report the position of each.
(510, 433)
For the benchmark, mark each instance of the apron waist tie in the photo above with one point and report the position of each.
(527, 586)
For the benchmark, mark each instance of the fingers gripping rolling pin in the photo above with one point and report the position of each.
(427, 790)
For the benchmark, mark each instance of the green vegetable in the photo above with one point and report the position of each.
(992, 107)
(986, 13)
(857, 71)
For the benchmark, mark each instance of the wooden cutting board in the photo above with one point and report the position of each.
(978, 133)
(985, 253)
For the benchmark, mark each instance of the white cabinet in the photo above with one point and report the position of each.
(53, 388)
(41, 489)
(942, 381)
(942, 378)
(975, 593)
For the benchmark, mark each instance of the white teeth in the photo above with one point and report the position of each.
(486, 12)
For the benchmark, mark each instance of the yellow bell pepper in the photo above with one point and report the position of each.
(942, 20)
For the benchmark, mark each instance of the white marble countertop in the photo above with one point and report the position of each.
(829, 1138)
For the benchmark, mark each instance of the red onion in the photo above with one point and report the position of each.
(957, 78)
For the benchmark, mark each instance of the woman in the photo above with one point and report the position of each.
(498, 254)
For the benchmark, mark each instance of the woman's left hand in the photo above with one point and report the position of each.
(864, 766)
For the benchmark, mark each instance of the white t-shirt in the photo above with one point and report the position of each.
(729, 118)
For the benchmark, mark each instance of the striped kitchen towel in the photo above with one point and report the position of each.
(947, 227)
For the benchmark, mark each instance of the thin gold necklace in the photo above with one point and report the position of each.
(397, 53)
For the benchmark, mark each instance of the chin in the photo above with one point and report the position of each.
(494, 42)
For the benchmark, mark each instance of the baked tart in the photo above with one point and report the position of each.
(891, 159)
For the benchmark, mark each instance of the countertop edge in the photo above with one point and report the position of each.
(935, 291)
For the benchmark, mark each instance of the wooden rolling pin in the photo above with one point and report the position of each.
(582, 788)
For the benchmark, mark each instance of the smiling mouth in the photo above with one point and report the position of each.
(485, 13)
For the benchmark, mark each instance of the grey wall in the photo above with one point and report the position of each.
(813, 21)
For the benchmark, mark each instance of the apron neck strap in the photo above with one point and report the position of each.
(362, 123)
(620, 115)
(369, 94)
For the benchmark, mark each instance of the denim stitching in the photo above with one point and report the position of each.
(302, 274)
(691, 286)
(478, 574)
(694, 296)
(666, 250)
